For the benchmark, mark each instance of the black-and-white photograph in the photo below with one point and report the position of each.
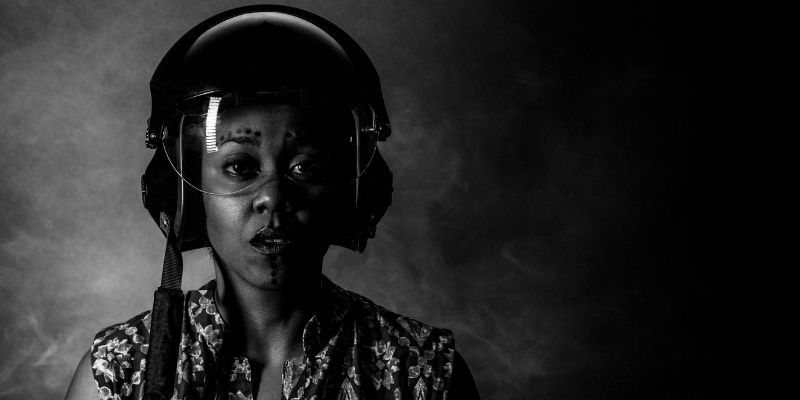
(350, 199)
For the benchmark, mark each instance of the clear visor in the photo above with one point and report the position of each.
(230, 143)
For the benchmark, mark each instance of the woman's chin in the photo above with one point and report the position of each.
(279, 272)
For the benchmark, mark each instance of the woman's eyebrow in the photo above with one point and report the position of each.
(238, 138)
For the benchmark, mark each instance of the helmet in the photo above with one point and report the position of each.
(257, 52)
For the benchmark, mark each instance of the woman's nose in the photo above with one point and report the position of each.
(270, 196)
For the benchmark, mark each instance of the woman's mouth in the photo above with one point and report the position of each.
(270, 241)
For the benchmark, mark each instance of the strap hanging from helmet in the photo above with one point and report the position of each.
(165, 326)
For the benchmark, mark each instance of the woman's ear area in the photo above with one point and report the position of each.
(83, 385)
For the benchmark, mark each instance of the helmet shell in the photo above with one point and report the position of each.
(266, 46)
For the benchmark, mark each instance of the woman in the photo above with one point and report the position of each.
(265, 123)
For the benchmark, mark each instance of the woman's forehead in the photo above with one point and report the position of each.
(266, 118)
(261, 124)
(288, 121)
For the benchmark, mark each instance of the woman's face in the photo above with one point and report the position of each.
(273, 234)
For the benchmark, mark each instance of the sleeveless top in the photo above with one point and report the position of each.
(353, 349)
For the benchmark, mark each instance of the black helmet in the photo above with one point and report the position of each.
(255, 50)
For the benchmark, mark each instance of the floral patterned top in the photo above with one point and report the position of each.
(353, 349)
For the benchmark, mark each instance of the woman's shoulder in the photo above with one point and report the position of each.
(401, 327)
(123, 337)
(118, 354)
(392, 340)
(375, 319)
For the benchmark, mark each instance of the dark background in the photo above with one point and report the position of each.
(579, 187)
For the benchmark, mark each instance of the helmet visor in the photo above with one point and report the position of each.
(230, 143)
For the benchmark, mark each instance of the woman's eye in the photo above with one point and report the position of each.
(241, 168)
(305, 171)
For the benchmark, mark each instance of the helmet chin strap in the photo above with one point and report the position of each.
(165, 324)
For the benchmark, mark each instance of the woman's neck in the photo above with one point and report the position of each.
(265, 325)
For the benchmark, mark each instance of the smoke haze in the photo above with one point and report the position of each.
(543, 163)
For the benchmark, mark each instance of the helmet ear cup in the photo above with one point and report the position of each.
(159, 193)
(193, 222)
(170, 203)
(355, 221)
(374, 198)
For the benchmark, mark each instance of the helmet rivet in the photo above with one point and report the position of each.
(384, 130)
(150, 139)
(164, 221)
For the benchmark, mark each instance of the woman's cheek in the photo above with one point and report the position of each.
(225, 220)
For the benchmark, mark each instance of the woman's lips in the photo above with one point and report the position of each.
(270, 241)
